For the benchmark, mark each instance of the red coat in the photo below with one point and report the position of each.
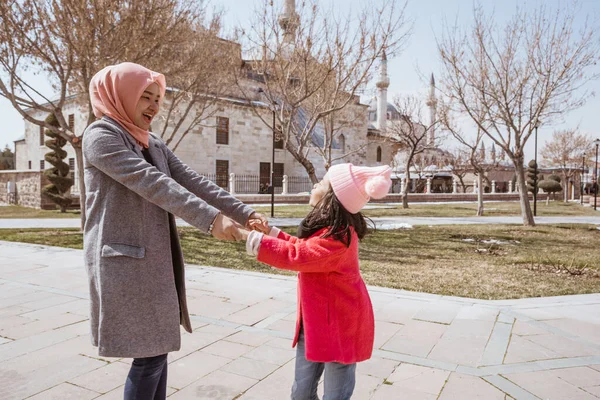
(333, 303)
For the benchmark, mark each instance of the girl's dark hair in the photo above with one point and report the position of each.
(329, 212)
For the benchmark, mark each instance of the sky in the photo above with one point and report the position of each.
(409, 71)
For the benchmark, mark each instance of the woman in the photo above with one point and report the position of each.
(134, 186)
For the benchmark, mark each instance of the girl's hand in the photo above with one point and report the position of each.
(258, 222)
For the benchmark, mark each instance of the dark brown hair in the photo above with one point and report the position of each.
(330, 213)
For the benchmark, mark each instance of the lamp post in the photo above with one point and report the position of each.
(273, 166)
(582, 176)
(271, 176)
(595, 180)
(535, 185)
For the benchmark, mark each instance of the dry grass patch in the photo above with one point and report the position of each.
(487, 262)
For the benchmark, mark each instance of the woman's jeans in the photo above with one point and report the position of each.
(339, 378)
(147, 379)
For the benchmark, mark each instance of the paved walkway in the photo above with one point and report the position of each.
(426, 347)
(381, 222)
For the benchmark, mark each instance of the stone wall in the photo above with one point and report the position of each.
(28, 187)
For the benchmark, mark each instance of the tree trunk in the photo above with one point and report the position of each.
(406, 183)
(480, 195)
(82, 196)
(523, 194)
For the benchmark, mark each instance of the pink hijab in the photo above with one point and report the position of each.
(116, 90)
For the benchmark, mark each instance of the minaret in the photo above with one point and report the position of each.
(493, 153)
(289, 21)
(482, 152)
(432, 104)
(382, 85)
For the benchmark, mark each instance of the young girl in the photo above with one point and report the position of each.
(335, 326)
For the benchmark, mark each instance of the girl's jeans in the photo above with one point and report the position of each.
(339, 378)
(147, 379)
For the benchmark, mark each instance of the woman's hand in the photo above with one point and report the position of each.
(225, 228)
(258, 222)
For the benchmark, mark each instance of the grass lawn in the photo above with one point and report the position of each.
(26, 212)
(450, 260)
(555, 208)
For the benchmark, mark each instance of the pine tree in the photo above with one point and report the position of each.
(61, 182)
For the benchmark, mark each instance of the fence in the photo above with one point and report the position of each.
(255, 184)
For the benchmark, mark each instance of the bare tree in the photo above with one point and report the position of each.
(411, 133)
(565, 151)
(70, 40)
(459, 162)
(531, 70)
(311, 66)
(472, 149)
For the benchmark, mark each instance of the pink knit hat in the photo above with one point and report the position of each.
(354, 186)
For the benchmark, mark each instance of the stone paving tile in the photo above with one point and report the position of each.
(227, 349)
(281, 343)
(77, 306)
(523, 328)
(538, 314)
(399, 311)
(582, 329)
(465, 350)
(546, 385)
(568, 327)
(22, 299)
(419, 379)
(12, 311)
(65, 391)
(283, 326)
(103, 379)
(415, 338)
(276, 386)
(497, 346)
(461, 386)
(563, 346)
(249, 338)
(36, 342)
(50, 355)
(257, 312)
(521, 349)
(596, 367)
(273, 355)
(15, 385)
(384, 332)
(365, 386)
(593, 390)
(218, 385)
(250, 368)
(42, 325)
(213, 307)
(391, 392)
(477, 312)
(192, 367)
(509, 388)
(442, 313)
(581, 377)
(377, 367)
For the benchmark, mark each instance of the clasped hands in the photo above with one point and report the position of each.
(224, 228)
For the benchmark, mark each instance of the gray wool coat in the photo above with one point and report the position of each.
(137, 284)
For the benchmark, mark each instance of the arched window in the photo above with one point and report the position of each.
(342, 143)
(378, 153)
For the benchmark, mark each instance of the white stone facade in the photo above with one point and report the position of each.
(249, 143)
